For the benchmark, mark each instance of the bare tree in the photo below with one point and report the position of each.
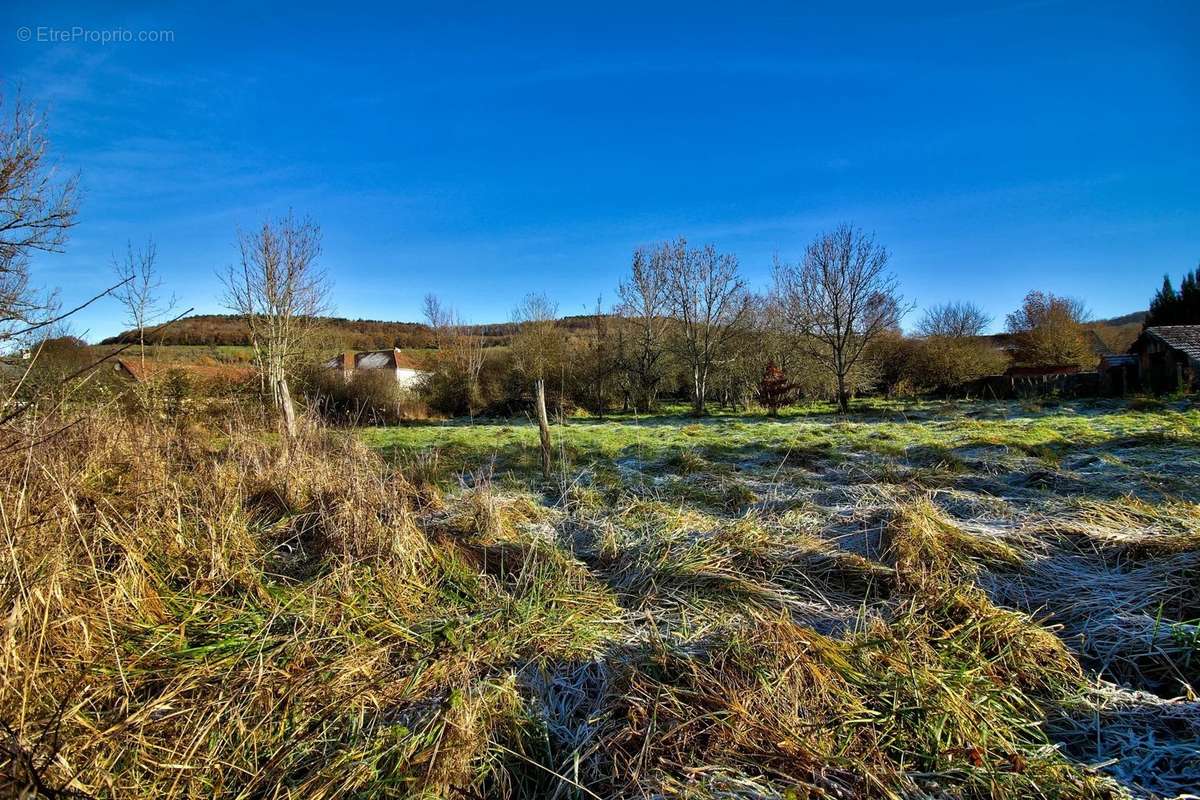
(536, 349)
(952, 351)
(465, 344)
(37, 209)
(953, 320)
(437, 317)
(839, 299)
(595, 359)
(709, 301)
(644, 302)
(139, 292)
(537, 343)
(280, 292)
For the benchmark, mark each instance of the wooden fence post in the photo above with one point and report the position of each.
(543, 424)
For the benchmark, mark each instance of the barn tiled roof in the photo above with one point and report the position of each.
(1097, 344)
(1184, 338)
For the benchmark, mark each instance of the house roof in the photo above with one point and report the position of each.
(374, 359)
(230, 372)
(378, 359)
(341, 361)
(1184, 338)
(1097, 344)
(407, 362)
(134, 369)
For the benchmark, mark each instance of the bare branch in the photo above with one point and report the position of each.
(280, 292)
(709, 301)
(59, 317)
(839, 299)
(37, 209)
(956, 320)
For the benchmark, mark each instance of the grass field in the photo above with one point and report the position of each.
(939, 600)
(1082, 516)
(941, 437)
(180, 354)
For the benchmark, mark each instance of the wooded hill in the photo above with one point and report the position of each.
(341, 333)
(374, 334)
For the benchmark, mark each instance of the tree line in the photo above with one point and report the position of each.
(686, 325)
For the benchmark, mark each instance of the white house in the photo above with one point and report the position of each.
(406, 371)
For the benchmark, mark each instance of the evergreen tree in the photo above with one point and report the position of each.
(1189, 299)
(1162, 307)
(1177, 308)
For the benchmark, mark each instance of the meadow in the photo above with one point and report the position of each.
(924, 599)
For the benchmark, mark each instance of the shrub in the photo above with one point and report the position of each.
(944, 363)
(774, 389)
(449, 391)
(369, 397)
(176, 389)
(1048, 330)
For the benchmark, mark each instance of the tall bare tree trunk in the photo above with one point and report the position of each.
(699, 390)
(543, 424)
(285, 404)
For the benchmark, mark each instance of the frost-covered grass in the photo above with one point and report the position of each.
(932, 433)
(1083, 515)
(941, 600)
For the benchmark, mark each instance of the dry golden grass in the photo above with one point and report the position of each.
(234, 620)
(203, 612)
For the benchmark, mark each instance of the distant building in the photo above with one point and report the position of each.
(132, 370)
(137, 371)
(1168, 357)
(406, 371)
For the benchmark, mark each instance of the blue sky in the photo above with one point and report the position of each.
(481, 151)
